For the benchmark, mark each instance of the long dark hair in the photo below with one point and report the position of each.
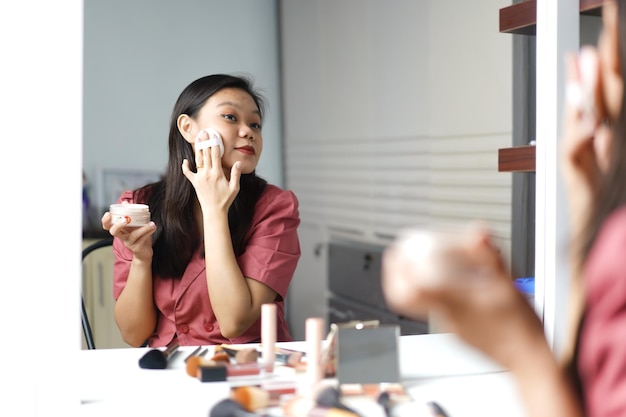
(612, 189)
(172, 199)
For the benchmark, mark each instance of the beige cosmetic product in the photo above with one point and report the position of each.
(314, 331)
(134, 215)
(439, 258)
(431, 259)
(268, 336)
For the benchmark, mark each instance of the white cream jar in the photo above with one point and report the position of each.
(134, 215)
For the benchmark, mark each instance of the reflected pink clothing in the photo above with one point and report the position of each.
(183, 305)
(602, 343)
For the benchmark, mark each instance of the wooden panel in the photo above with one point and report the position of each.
(517, 159)
(591, 7)
(521, 18)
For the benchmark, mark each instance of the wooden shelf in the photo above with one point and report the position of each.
(517, 159)
(591, 7)
(521, 18)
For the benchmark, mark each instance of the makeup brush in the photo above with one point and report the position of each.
(330, 397)
(209, 371)
(156, 358)
(239, 355)
(384, 399)
(194, 353)
(231, 351)
(194, 363)
(252, 398)
(230, 408)
(436, 409)
(221, 357)
(306, 407)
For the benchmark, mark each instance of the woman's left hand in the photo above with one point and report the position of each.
(214, 190)
(467, 285)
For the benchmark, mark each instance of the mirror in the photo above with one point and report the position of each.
(139, 57)
(431, 81)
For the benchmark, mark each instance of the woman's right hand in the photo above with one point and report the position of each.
(137, 239)
(215, 190)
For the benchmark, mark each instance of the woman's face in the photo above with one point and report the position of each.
(610, 72)
(235, 115)
(611, 82)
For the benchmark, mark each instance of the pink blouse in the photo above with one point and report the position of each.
(271, 256)
(602, 343)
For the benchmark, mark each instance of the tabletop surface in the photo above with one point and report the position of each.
(434, 367)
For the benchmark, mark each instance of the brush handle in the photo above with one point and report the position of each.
(437, 409)
(196, 350)
(384, 399)
(171, 348)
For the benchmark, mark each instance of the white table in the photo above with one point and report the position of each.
(435, 367)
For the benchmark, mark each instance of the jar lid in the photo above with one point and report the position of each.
(129, 208)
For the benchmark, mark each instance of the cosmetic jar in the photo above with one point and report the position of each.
(135, 215)
(438, 258)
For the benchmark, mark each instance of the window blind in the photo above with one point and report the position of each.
(372, 189)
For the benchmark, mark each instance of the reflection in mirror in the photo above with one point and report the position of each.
(382, 114)
(137, 59)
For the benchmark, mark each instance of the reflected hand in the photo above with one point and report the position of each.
(214, 190)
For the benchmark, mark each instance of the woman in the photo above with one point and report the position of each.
(492, 315)
(222, 241)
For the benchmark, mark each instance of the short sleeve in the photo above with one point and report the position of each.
(273, 248)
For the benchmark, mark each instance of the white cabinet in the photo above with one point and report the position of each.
(307, 292)
(97, 286)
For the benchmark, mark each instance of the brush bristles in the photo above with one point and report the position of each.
(221, 357)
(251, 398)
(153, 359)
(192, 366)
(226, 408)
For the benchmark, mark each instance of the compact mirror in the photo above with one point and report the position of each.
(368, 355)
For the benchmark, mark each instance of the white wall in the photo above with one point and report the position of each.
(139, 56)
(394, 112)
(41, 117)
